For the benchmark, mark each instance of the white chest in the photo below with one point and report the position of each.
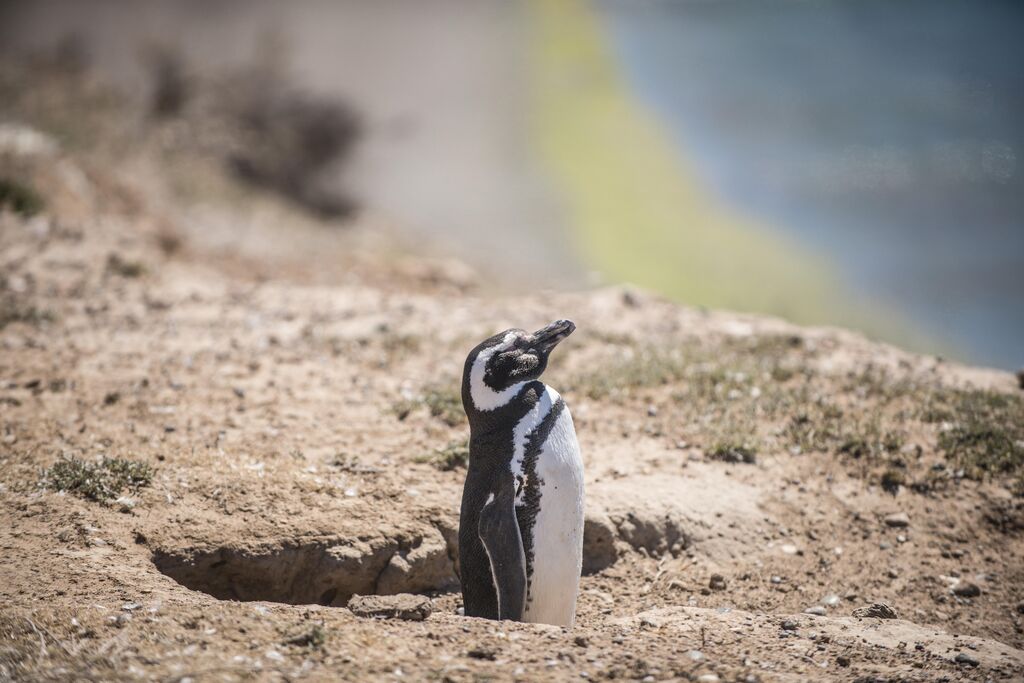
(557, 531)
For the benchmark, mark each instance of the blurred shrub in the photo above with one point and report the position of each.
(19, 198)
(292, 141)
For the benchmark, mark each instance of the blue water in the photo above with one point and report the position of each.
(887, 135)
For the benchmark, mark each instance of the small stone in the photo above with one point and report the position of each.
(1020, 607)
(717, 582)
(832, 600)
(708, 678)
(965, 589)
(816, 610)
(897, 520)
(884, 545)
(121, 620)
(274, 656)
(893, 574)
(964, 658)
(652, 411)
(878, 610)
(789, 625)
(901, 539)
(581, 641)
(843, 661)
(790, 549)
(482, 653)
(776, 580)
(402, 606)
(696, 655)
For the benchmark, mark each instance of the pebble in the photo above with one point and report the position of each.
(964, 658)
(901, 539)
(966, 590)
(121, 620)
(832, 600)
(897, 520)
(776, 579)
(696, 655)
(790, 549)
(789, 625)
(708, 678)
(884, 545)
(717, 582)
(816, 610)
(893, 574)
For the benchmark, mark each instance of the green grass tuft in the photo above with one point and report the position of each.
(100, 481)
(19, 198)
(453, 456)
(733, 452)
(443, 401)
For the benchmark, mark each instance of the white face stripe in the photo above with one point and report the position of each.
(522, 431)
(484, 397)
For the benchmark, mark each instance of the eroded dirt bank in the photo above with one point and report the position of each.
(286, 398)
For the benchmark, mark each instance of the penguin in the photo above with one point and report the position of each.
(521, 522)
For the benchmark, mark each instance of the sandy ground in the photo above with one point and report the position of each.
(290, 385)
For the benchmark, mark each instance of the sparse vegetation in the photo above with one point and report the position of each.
(443, 401)
(816, 428)
(118, 265)
(733, 452)
(748, 394)
(13, 311)
(982, 432)
(19, 198)
(101, 481)
(639, 368)
(451, 457)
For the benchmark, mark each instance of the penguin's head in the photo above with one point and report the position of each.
(508, 359)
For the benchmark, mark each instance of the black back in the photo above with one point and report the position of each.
(490, 458)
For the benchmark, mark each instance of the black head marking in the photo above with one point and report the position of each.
(506, 360)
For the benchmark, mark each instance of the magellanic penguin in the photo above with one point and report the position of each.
(521, 527)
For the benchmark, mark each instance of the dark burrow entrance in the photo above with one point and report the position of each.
(316, 571)
(329, 571)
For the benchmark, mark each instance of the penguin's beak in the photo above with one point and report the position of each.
(548, 337)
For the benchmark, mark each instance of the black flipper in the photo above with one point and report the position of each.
(499, 532)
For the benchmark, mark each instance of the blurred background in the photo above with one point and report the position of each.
(850, 162)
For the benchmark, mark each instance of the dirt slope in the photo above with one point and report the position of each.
(289, 395)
